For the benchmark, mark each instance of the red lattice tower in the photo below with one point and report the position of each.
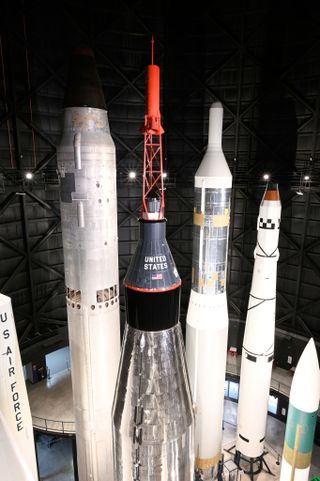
(152, 183)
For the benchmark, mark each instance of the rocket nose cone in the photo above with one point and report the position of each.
(83, 87)
(305, 387)
(271, 192)
(216, 105)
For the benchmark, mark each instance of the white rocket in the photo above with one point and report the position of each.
(17, 448)
(207, 318)
(302, 417)
(258, 342)
(86, 162)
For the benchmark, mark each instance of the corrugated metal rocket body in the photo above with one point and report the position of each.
(86, 162)
(17, 449)
(258, 342)
(302, 417)
(207, 318)
(152, 411)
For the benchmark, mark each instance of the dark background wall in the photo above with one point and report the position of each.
(260, 59)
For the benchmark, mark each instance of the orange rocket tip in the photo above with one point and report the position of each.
(152, 119)
(271, 192)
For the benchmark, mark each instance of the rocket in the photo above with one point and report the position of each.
(17, 448)
(258, 341)
(207, 317)
(152, 410)
(302, 417)
(87, 168)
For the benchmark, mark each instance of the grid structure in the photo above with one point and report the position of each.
(261, 61)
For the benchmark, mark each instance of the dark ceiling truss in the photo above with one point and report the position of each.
(98, 51)
(27, 259)
(27, 255)
(237, 125)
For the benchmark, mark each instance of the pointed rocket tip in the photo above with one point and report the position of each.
(152, 49)
(305, 387)
(271, 192)
(83, 86)
(216, 105)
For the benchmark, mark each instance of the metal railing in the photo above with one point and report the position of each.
(68, 427)
(53, 426)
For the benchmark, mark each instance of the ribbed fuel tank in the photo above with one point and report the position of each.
(152, 415)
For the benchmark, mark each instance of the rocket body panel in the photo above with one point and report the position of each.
(86, 162)
(13, 465)
(206, 349)
(210, 240)
(258, 341)
(153, 420)
(17, 448)
(207, 318)
(302, 417)
(251, 421)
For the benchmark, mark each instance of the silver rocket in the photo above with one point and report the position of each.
(207, 318)
(17, 448)
(302, 417)
(87, 168)
(152, 412)
(258, 342)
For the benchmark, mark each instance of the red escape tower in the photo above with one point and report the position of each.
(152, 182)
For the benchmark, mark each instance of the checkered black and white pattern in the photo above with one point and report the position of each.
(266, 223)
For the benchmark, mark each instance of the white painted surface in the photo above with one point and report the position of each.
(17, 452)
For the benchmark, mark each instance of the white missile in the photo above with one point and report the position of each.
(302, 417)
(207, 318)
(258, 342)
(17, 448)
(86, 163)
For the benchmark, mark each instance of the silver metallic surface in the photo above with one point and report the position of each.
(86, 162)
(210, 240)
(152, 412)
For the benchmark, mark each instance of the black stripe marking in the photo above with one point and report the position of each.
(243, 438)
(252, 358)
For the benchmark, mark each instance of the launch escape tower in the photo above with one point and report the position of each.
(152, 182)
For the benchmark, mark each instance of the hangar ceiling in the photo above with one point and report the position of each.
(260, 59)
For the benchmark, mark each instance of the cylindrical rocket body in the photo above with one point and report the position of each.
(207, 318)
(258, 342)
(152, 118)
(302, 417)
(86, 162)
(153, 91)
(152, 411)
(153, 420)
